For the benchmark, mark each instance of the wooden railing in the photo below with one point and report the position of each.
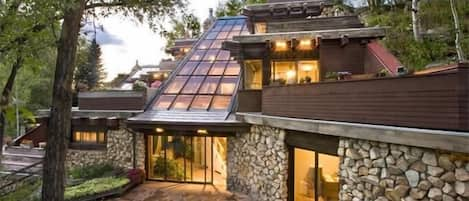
(434, 101)
(11, 181)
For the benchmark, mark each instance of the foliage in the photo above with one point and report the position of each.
(93, 171)
(90, 71)
(139, 86)
(234, 7)
(136, 176)
(170, 167)
(185, 26)
(95, 186)
(24, 193)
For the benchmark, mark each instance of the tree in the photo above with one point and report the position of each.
(458, 30)
(234, 7)
(90, 72)
(416, 20)
(151, 11)
(184, 26)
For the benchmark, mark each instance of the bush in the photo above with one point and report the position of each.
(136, 176)
(27, 192)
(172, 168)
(95, 186)
(93, 171)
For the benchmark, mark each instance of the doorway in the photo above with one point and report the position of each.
(189, 159)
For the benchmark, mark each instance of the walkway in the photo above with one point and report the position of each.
(163, 191)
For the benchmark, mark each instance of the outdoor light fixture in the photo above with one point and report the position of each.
(159, 130)
(281, 45)
(305, 44)
(202, 132)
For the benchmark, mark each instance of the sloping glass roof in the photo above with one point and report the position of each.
(208, 77)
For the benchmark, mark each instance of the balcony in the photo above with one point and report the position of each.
(433, 101)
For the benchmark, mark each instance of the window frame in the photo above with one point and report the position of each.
(87, 145)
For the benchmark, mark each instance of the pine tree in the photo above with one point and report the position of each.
(90, 71)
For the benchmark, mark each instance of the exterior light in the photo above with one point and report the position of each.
(281, 45)
(291, 74)
(202, 132)
(159, 130)
(305, 44)
(165, 74)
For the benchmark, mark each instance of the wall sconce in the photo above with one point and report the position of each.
(281, 45)
(202, 132)
(159, 130)
(306, 44)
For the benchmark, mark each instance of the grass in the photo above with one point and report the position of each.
(93, 171)
(24, 193)
(95, 186)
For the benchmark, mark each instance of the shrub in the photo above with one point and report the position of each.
(171, 168)
(95, 186)
(27, 192)
(136, 176)
(93, 171)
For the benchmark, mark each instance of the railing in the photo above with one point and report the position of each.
(18, 176)
(436, 101)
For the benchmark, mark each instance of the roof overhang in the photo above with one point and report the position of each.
(283, 10)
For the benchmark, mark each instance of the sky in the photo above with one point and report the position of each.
(124, 41)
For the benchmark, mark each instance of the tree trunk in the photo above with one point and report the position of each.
(459, 35)
(416, 20)
(5, 98)
(53, 185)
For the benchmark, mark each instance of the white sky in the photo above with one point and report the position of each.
(124, 41)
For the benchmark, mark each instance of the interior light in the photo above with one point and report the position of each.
(202, 132)
(159, 130)
(307, 67)
(291, 74)
(281, 45)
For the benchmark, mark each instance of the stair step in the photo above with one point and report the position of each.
(26, 158)
(22, 150)
(16, 165)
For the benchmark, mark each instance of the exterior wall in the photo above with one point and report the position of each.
(334, 58)
(381, 171)
(258, 163)
(119, 152)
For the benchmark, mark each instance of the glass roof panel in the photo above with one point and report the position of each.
(221, 102)
(210, 85)
(176, 85)
(193, 85)
(164, 102)
(203, 68)
(218, 68)
(201, 102)
(182, 102)
(227, 85)
(188, 68)
(206, 71)
(233, 68)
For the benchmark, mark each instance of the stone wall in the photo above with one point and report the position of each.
(381, 171)
(258, 163)
(119, 152)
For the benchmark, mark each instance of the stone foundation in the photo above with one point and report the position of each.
(119, 152)
(258, 163)
(382, 171)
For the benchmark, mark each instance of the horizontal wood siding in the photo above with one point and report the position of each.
(431, 101)
(325, 23)
(111, 103)
(249, 101)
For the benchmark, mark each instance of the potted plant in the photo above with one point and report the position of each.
(308, 79)
(331, 76)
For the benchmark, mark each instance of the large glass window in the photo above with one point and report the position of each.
(176, 85)
(227, 85)
(315, 176)
(218, 68)
(193, 85)
(203, 68)
(88, 138)
(295, 72)
(253, 74)
(221, 102)
(210, 85)
(205, 44)
(188, 68)
(201, 102)
(308, 71)
(164, 102)
(182, 102)
(284, 72)
(233, 68)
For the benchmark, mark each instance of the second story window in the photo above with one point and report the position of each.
(253, 74)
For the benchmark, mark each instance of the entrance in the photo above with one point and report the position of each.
(190, 159)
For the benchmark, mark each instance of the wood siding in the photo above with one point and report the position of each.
(334, 58)
(111, 103)
(249, 101)
(438, 101)
(323, 23)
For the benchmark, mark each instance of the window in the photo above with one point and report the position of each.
(201, 102)
(188, 68)
(205, 44)
(218, 68)
(260, 27)
(211, 55)
(233, 68)
(89, 138)
(224, 55)
(203, 68)
(295, 72)
(217, 44)
(198, 55)
(227, 85)
(284, 72)
(221, 102)
(176, 85)
(253, 74)
(182, 102)
(227, 28)
(308, 71)
(210, 85)
(316, 176)
(193, 85)
(164, 102)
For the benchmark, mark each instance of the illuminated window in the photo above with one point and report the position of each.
(210, 85)
(201, 102)
(176, 85)
(227, 85)
(221, 102)
(224, 55)
(293, 72)
(284, 72)
(198, 55)
(182, 102)
(233, 68)
(188, 68)
(203, 68)
(211, 55)
(308, 71)
(260, 27)
(89, 136)
(222, 35)
(217, 44)
(218, 68)
(253, 74)
(164, 102)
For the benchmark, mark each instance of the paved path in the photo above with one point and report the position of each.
(163, 191)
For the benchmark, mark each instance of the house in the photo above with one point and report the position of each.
(290, 103)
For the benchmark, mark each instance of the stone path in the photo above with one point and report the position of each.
(163, 191)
